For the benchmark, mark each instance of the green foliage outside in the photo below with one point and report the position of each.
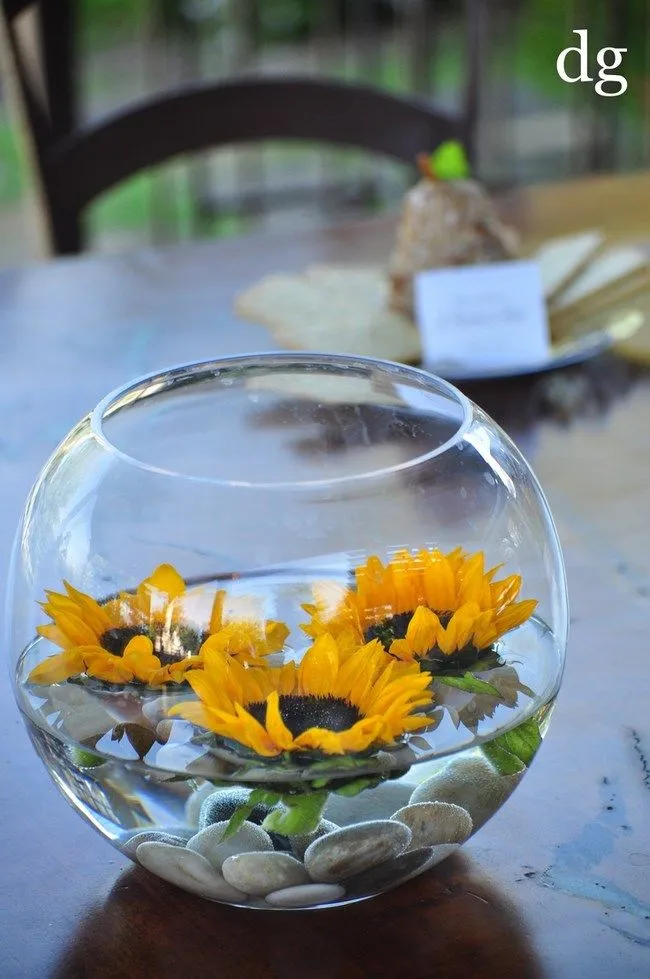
(12, 183)
(543, 32)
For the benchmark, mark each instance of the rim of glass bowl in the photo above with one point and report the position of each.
(157, 382)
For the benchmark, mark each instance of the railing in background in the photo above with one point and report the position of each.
(532, 127)
(420, 46)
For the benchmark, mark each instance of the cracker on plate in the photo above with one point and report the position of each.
(333, 309)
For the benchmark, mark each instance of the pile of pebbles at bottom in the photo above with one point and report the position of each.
(332, 863)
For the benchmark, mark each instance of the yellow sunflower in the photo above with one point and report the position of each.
(141, 636)
(241, 632)
(430, 606)
(331, 703)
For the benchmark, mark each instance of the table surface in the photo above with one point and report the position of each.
(558, 883)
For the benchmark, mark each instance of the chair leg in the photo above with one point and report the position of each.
(57, 30)
(67, 234)
(59, 51)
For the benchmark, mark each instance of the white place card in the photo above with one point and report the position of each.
(482, 317)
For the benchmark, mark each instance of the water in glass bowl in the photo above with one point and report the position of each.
(169, 795)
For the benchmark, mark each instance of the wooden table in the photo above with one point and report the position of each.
(558, 883)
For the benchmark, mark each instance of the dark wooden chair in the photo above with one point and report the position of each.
(74, 164)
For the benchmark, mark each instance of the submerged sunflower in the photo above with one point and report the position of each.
(241, 631)
(430, 606)
(141, 636)
(331, 703)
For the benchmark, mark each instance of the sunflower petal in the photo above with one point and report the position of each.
(176, 671)
(423, 630)
(78, 632)
(485, 631)
(57, 668)
(106, 666)
(363, 734)
(55, 635)
(514, 615)
(440, 584)
(93, 613)
(165, 578)
(255, 734)
(275, 635)
(319, 667)
(194, 712)
(275, 726)
(505, 591)
(320, 739)
(402, 650)
(216, 614)
(465, 618)
(139, 657)
(473, 585)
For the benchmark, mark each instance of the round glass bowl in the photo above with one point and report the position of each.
(287, 629)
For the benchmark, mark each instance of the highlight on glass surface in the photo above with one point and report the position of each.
(287, 629)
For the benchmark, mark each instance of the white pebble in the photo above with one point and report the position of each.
(351, 850)
(174, 838)
(300, 843)
(262, 873)
(195, 801)
(435, 822)
(305, 896)
(188, 870)
(471, 783)
(208, 842)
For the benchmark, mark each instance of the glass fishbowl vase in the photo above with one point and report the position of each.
(287, 629)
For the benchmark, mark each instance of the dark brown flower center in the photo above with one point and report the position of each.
(395, 627)
(169, 645)
(301, 713)
(115, 641)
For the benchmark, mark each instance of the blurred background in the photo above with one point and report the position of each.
(531, 126)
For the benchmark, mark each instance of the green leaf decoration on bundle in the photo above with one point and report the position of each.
(448, 162)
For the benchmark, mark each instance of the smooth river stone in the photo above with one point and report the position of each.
(194, 802)
(350, 850)
(221, 804)
(300, 843)
(261, 873)
(129, 846)
(248, 837)
(435, 822)
(188, 870)
(305, 896)
(471, 783)
(392, 873)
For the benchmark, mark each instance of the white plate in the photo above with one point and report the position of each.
(619, 326)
